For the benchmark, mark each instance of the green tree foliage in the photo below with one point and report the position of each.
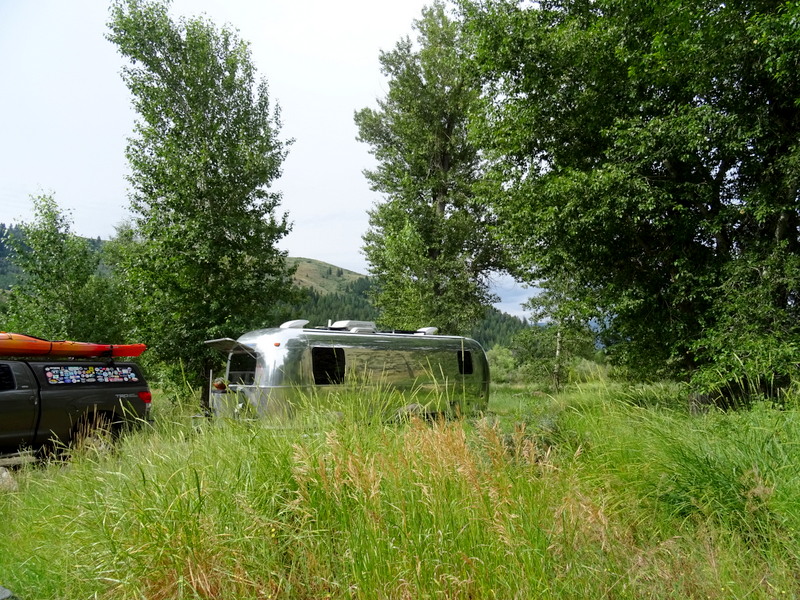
(497, 328)
(9, 272)
(352, 303)
(201, 256)
(60, 293)
(503, 365)
(428, 244)
(646, 166)
(545, 352)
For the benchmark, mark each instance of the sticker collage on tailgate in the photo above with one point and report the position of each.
(72, 374)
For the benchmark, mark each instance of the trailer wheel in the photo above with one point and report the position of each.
(95, 432)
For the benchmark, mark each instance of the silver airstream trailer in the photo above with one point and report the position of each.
(271, 372)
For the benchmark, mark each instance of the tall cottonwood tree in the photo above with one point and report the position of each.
(429, 245)
(202, 260)
(649, 158)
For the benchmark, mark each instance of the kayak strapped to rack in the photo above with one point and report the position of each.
(17, 344)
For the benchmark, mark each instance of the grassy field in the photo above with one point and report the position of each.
(603, 491)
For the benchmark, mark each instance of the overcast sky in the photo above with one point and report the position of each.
(66, 112)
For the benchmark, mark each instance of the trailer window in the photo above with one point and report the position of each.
(327, 365)
(242, 369)
(465, 362)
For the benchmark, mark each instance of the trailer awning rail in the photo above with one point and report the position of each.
(228, 345)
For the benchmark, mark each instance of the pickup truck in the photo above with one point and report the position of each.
(50, 400)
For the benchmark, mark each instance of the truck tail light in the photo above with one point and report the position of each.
(145, 397)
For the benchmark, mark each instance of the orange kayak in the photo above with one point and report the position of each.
(16, 344)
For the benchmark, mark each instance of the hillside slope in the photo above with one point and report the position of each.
(322, 277)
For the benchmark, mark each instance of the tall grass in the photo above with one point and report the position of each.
(602, 492)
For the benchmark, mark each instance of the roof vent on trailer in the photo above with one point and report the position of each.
(296, 324)
(427, 331)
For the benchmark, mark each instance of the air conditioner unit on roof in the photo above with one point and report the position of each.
(362, 326)
(428, 330)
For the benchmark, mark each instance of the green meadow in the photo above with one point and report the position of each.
(601, 491)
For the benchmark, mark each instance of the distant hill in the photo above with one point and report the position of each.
(322, 277)
(333, 293)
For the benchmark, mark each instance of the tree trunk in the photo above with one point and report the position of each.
(557, 366)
